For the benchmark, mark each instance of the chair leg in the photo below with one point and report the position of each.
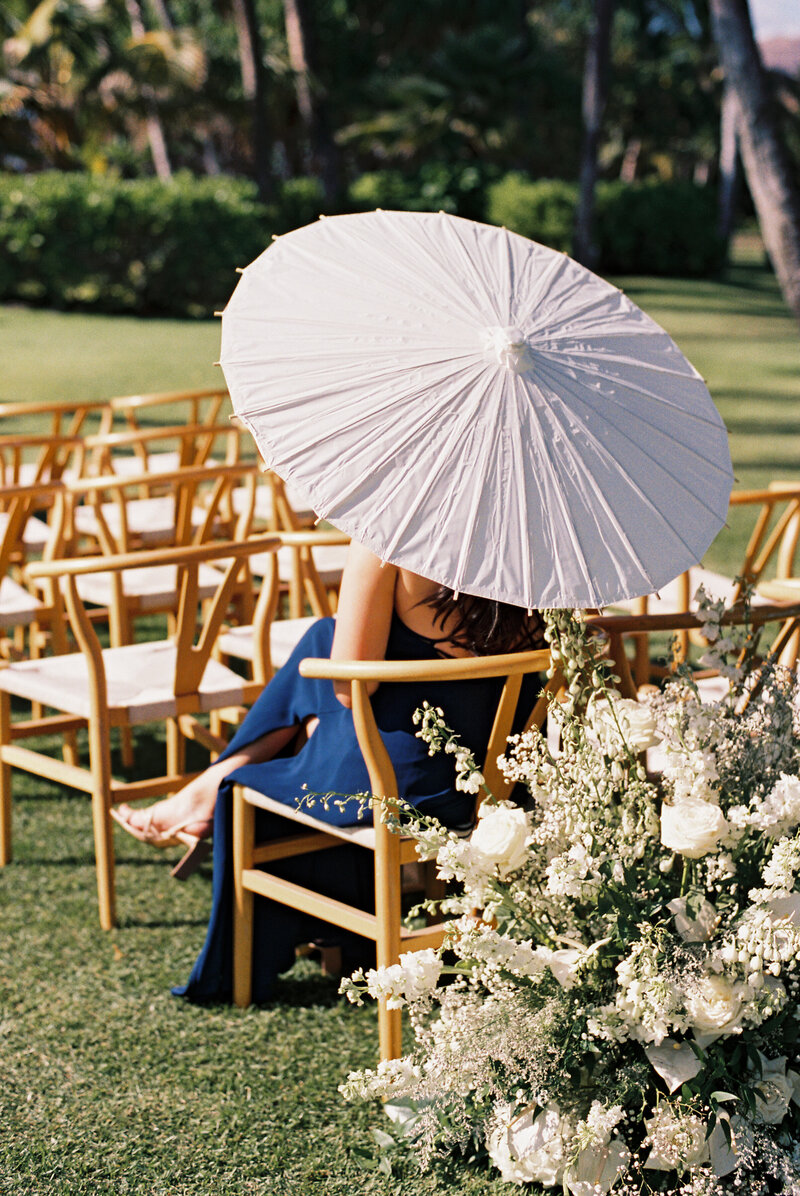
(388, 913)
(244, 820)
(100, 759)
(5, 781)
(176, 749)
(126, 746)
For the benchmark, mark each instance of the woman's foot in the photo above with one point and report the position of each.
(185, 816)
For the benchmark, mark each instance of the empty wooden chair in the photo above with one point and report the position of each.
(172, 680)
(307, 834)
(267, 642)
(196, 510)
(772, 546)
(22, 610)
(622, 628)
(62, 418)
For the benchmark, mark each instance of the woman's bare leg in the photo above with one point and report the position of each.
(192, 808)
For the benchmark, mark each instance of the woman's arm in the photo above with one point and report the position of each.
(364, 613)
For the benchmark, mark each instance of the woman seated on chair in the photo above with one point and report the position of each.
(299, 739)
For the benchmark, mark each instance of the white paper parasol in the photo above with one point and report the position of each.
(477, 408)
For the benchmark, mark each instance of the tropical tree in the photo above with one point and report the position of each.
(595, 95)
(770, 174)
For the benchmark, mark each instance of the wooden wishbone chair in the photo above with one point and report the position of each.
(67, 418)
(172, 680)
(772, 545)
(619, 629)
(22, 610)
(276, 638)
(198, 508)
(306, 833)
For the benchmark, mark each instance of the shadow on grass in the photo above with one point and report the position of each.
(294, 992)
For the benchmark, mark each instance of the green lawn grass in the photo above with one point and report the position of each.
(109, 1085)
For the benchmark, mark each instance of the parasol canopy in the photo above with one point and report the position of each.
(477, 408)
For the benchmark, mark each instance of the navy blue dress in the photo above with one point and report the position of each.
(331, 762)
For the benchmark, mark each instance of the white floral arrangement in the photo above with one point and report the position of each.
(615, 1006)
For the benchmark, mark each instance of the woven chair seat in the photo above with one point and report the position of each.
(131, 464)
(364, 836)
(153, 588)
(284, 635)
(150, 519)
(35, 534)
(17, 607)
(140, 680)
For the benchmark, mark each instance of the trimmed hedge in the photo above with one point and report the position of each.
(71, 240)
(146, 247)
(652, 227)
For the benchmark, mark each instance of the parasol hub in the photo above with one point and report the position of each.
(509, 348)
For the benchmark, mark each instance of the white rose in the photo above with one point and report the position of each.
(597, 1169)
(500, 838)
(531, 1147)
(773, 1091)
(624, 720)
(714, 1008)
(676, 1142)
(692, 827)
(697, 929)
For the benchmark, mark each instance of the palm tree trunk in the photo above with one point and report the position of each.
(728, 165)
(254, 86)
(155, 129)
(595, 95)
(772, 182)
(322, 151)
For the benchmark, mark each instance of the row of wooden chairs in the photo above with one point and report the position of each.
(104, 688)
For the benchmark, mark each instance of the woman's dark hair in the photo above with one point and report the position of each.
(484, 626)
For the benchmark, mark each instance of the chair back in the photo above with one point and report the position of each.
(203, 407)
(197, 503)
(513, 667)
(188, 444)
(68, 418)
(194, 635)
(28, 459)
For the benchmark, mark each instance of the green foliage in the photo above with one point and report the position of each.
(653, 227)
(435, 187)
(543, 210)
(73, 241)
(664, 228)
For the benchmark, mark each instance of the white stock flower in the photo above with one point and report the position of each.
(416, 975)
(692, 827)
(500, 839)
(714, 1008)
(531, 1147)
(574, 873)
(774, 814)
